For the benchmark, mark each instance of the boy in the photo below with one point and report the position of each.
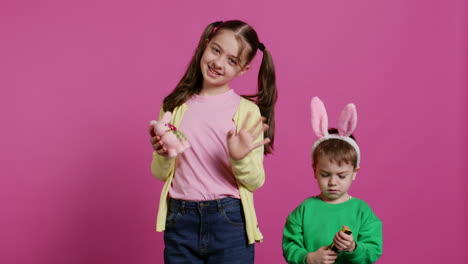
(316, 223)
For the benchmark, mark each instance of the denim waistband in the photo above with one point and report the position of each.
(218, 204)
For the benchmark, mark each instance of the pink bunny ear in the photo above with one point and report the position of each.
(319, 117)
(348, 120)
(167, 117)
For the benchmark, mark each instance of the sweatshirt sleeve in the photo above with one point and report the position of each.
(161, 167)
(294, 250)
(368, 242)
(249, 171)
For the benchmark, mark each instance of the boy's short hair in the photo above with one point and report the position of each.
(335, 150)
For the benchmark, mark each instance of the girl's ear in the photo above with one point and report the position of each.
(243, 70)
(319, 117)
(348, 120)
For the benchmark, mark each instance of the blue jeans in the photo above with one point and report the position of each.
(208, 232)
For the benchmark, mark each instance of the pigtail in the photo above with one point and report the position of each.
(267, 96)
(191, 82)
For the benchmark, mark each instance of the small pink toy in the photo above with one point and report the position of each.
(174, 140)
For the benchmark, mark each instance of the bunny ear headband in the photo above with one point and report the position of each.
(346, 124)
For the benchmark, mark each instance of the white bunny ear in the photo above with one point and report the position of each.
(319, 117)
(348, 120)
(167, 117)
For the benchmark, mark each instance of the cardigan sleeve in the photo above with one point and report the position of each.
(161, 167)
(249, 171)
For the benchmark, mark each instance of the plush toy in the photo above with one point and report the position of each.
(174, 140)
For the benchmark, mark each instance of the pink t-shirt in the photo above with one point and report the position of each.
(203, 172)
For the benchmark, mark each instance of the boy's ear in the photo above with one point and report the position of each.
(243, 70)
(355, 173)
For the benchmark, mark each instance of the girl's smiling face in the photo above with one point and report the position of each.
(221, 62)
(333, 180)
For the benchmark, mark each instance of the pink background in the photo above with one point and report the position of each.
(80, 81)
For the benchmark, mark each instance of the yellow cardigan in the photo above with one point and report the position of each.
(248, 172)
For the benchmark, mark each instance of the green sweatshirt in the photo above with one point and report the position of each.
(314, 223)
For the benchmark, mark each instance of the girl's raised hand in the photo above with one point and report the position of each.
(156, 142)
(241, 143)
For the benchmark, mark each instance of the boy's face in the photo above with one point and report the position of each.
(334, 181)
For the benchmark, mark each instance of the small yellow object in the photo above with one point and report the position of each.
(346, 231)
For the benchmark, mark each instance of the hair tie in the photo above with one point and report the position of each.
(217, 23)
(261, 46)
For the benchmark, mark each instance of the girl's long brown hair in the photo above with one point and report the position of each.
(192, 80)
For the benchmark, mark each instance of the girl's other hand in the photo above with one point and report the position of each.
(241, 143)
(156, 142)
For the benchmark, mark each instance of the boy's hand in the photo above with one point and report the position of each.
(344, 242)
(322, 256)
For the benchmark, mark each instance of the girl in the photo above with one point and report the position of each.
(206, 207)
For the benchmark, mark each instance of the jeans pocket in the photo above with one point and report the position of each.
(234, 215)
(171, 218)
